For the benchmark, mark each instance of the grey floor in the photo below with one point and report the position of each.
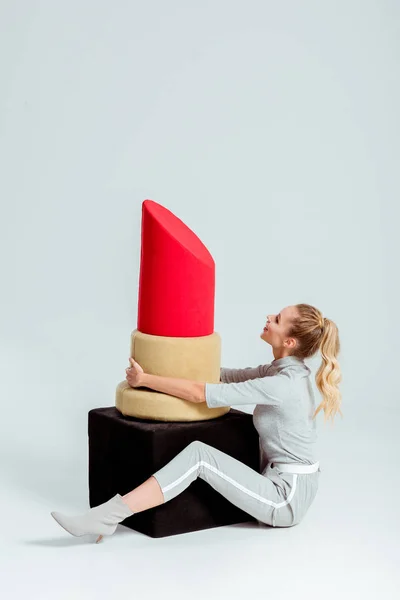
(347, 546)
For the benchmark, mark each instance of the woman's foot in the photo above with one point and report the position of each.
(100, 520)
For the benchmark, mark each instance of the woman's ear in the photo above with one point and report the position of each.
(291, 343)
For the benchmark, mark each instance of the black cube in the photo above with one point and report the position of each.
(125, 451)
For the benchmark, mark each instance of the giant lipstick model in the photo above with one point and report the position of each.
(175, 334)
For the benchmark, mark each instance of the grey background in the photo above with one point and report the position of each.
(272, 130)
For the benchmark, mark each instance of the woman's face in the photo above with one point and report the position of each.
(276, 326)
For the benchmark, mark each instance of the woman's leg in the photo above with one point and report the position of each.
(146, 495)
(244, 487)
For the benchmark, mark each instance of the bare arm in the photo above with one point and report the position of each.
(193, 391)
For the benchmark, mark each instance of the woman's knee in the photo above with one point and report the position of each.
(196, 445)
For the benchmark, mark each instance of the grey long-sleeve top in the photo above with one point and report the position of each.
(285, 403)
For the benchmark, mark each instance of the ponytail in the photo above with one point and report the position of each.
(313, 332)
(329, 375)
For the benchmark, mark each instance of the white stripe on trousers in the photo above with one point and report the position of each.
(239, 486)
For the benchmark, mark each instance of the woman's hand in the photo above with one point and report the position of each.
(134, 374)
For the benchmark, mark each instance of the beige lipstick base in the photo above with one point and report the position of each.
(195, 358)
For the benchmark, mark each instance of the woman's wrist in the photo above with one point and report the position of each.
(142, 380)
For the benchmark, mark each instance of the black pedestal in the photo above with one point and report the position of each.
(125, 451)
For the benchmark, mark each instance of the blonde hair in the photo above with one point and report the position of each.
(313, 332)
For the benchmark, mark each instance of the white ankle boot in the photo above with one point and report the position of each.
(101, 520)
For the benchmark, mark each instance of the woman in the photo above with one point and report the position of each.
(284, 416)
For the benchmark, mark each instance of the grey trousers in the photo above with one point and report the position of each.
(273, 498)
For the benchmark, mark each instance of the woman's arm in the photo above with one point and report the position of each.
(237, 375)
(193, 391)
(271, 390)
